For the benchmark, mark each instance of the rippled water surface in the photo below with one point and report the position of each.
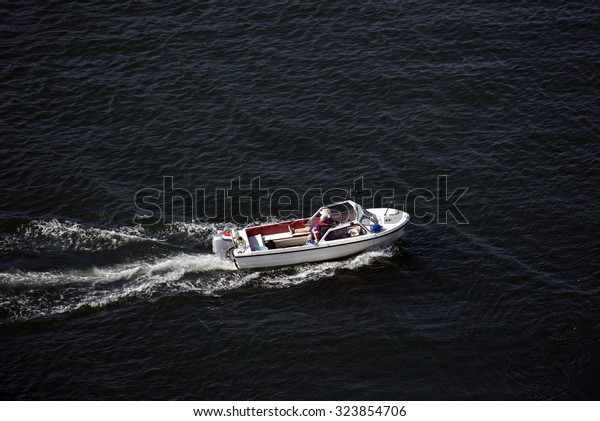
(99, 100)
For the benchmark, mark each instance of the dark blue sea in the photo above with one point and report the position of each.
(131, 131)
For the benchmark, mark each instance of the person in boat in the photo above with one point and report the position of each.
(309, 228)
(321, 227)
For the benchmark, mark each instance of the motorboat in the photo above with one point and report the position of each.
(354, 229)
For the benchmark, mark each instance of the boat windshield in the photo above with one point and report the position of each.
(342, 212)
(368, 216)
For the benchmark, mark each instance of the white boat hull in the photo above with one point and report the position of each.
(283, 244)
(318, 253)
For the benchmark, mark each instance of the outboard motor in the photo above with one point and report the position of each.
(221, 243)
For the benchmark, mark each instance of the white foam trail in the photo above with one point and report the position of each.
(71, 235)
(42, 294)
(74, 236)
(314, 271)
(166, 267)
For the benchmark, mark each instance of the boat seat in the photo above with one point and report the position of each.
(297, 240)
(277, 236)
(285, 235)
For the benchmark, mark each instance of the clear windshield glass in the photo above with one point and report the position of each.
(342, 212)
(368, 217)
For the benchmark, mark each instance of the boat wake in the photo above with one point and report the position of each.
(28, 294)
(316, 271)
(42, 235)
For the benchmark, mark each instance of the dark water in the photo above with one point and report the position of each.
(101, 99)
